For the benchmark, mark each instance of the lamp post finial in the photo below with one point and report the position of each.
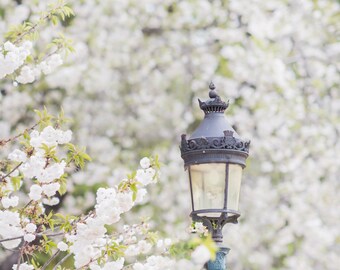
(212, 92)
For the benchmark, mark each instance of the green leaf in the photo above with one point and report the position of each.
(61, 119)
(77, 155)
(132, 175)
(61, 216)
(155, 162)
(152, 237)
(35, 264)
(54, 20)
(26, 135)
(86, 156)
(134, 190)
(15, 180)
(51, 223)
(44, 118)
(62, 190)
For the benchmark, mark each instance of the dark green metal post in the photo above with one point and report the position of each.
(220, 262)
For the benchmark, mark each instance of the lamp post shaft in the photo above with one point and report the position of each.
(220, 262)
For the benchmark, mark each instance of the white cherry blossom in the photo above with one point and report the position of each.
(62, 246)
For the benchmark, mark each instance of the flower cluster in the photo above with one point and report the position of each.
(90, 239)
(113, 265)
(199, 228)
(29, 74)
(12, 57)
(30, 230)
(36, 165)
(40, 167)
(10, 227)
(155, 262)
(23, 266)
(8, 202)
(86, 238)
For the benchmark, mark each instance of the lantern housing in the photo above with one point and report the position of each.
(214, 156)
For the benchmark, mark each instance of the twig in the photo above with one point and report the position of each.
(3, 142)
(38, 23)
(9, 239)
(39, 234)
(22, 210)
(20, 37)
(16, 167)
(20, 255)
(53, 234)
(48, 55)
(62, 261)
(50, 260)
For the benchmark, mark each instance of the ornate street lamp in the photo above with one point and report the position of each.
(215, 156)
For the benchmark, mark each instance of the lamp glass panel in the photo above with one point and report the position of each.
(208, 185)
(234, 185)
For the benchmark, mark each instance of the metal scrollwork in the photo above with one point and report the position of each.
(226, 142)
(216, 224)
(216, 143)
(193, 145)
(184, 143)
(203, 143)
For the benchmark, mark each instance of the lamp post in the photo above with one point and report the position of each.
(215, 156)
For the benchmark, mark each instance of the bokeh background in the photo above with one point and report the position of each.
(131, 88)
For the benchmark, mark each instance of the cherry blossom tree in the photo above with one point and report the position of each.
(131, 85)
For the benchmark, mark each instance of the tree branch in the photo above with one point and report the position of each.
(39, 234)
(5, 141)
(50, 260)
(62, 261)
(2, 178)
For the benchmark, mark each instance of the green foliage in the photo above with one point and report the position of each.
(59, 11)
(15, 180)
(62, 42)
(65, 222)
(35, 264)
(61, 118)
(49, 219)
(62, 268)
(134, 190)
(184, 249)
(131, 182)
(152, 237)
(123, 185)
(208, 242)
(77, 155)
(63, 184)
(28, 30)
(25, 29)
(50, 152)
(115, 250)
(48, 244)
(155, 162)
(45, 119)
(26, 135)
(25, 141)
